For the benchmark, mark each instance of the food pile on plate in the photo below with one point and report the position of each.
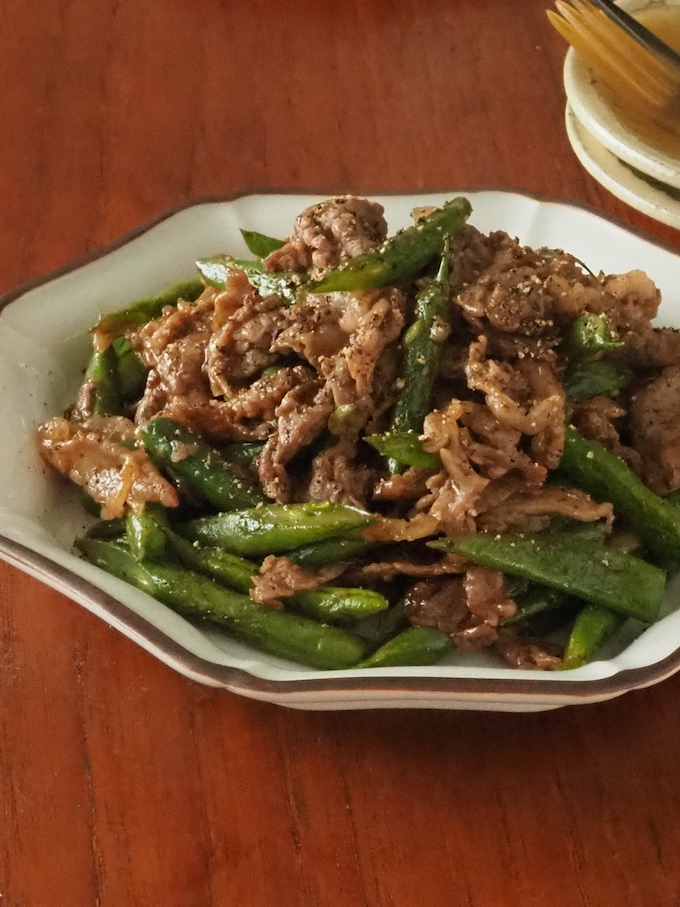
(361, 450)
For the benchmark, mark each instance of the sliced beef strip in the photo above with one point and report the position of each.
(313, 329)
(453, 492)
(629, 301)
(649, 348)
(389, 569)
(468, 608)
(408, 485)
(526, 396)
(532, 510)
(280, 578)
(329, 234)
(488, 604)
(495, 449)
(337, 476)
(377, 328)
(526, 654)
(92, 455)
(520, 291)
(348, 383)
(655, 430)
(300, 417)
(177, 322)
(438, 603)
(242, 347)
(603, 420)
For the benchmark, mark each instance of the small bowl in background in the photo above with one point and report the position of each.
(613, 153)
(642, 192)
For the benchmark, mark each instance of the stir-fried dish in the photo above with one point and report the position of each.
(359, 451)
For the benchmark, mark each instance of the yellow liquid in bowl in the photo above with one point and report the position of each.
(664, 22)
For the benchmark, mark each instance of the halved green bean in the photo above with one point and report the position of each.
(260, 244)
(145, 537)
(147, 309)
(405, 447)
(285, 284)
(594, 573)
(132, 373)
(607, 478)
(176, 447)
(422, 347)
(594, 625)
(101, 385)
(271, 629)
(402, 256)
(275, 528)
(415, 646)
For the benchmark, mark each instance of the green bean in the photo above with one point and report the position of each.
(229, 569)
(516, 586)
(591, 335)
(423, 345)
(329, 551)
(415, 646)
(331, 604)
(259, 244)
(132, 373)
(401, 257)
(592, 572)
(144, 310)
(377, 629)
(405, 448)
(285, 284)
(346, 420)
(607, 478)
(101, 385)
(673, 498)
(586, 379)
(176, 447)
(596, 531)
(594, 625)
(538, 600)
(275, 528)
(336, 604)
(145, 537)
(270, 629)
(106, 530)
(242, 453)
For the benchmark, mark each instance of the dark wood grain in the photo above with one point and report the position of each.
(123, 783)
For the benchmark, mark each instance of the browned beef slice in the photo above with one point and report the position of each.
(655, 429)
(330, 233)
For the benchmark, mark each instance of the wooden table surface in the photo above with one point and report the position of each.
(124, 784)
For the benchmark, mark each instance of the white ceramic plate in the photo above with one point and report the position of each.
(656, 201)
(43, 350)
(602, 122)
